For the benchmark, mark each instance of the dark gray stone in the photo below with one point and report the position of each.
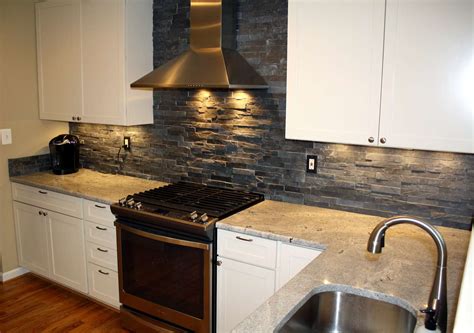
(238, 140)
(30, 164)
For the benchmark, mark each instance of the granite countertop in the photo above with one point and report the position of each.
(402, 274)
(88, 184)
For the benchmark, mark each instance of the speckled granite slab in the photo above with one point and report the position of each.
(403, 273)
(88, 184)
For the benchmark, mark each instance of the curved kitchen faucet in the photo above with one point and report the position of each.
(436, 312)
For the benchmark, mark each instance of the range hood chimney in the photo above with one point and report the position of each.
(211, 60)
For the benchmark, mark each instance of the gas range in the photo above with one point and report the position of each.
(166, 255)
(184, 207)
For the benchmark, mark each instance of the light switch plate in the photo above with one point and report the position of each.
(6, 136)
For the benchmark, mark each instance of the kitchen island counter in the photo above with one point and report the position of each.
(89, 184)
(404, 270)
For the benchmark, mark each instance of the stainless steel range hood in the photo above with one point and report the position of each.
(211, 60)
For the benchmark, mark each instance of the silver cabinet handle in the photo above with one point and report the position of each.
(102, 272)
(103, 229)
(99, 206)
(42, 192)
(102, 250)
(383, 140)
(244, 239)
(371, 139)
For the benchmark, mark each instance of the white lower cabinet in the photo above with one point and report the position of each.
(101, 249)
(68, 257)
(103, 284)
(250, 270)
(241, 288)
(32, 238)
(52, 245)
(292, 260)
(55, 241)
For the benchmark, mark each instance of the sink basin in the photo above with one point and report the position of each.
(336, 311)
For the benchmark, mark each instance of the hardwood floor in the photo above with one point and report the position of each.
(30, 304)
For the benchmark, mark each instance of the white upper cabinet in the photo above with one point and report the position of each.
(335, 51)
(58, 34)
(112, 48)
(393, 73)
(428, 76)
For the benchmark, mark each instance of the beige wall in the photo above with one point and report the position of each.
(18, 109)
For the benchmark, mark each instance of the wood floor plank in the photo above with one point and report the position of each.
(30, 304)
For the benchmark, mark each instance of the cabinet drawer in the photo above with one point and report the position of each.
(98, 212)
(101, 235)
(103, 284)
(102, 255)
(249, 249)
(56, 202)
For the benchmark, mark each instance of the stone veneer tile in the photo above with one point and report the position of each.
(237, 139)
(27, 165)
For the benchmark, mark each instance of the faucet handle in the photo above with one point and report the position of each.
(430, 318)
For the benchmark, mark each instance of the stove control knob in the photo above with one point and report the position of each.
(138, 206)
(193, 216)
(122, 202)
(130, 203)
(203, 218)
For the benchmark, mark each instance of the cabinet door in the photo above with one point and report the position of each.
(103, 54)
(58, 33)
(241, 289)
(335, 50)
(68, 256)
(292, 260)
(428, 79)
(103, 284)
(32, 238)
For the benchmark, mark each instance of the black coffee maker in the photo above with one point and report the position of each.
(64, 150)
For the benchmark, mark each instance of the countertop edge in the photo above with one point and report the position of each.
(60, 190)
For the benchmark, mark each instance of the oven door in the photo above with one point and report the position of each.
(166, 277)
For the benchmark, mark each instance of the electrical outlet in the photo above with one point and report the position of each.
(6, 136)
(126, 143)
(311, 163)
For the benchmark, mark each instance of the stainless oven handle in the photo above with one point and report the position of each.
(165, 239)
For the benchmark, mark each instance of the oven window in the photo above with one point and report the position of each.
(167, 274)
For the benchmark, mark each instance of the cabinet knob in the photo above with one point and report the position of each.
(218, 262)
(383, 140)
(45, 213)
(78, 118)
(40, 212)
(371, 139)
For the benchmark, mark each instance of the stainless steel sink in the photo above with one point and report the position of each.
(336, 311)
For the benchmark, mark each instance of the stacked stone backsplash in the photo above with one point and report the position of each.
(237, 138)
(25, 165)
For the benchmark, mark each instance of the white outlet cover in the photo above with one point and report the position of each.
(6, 136)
